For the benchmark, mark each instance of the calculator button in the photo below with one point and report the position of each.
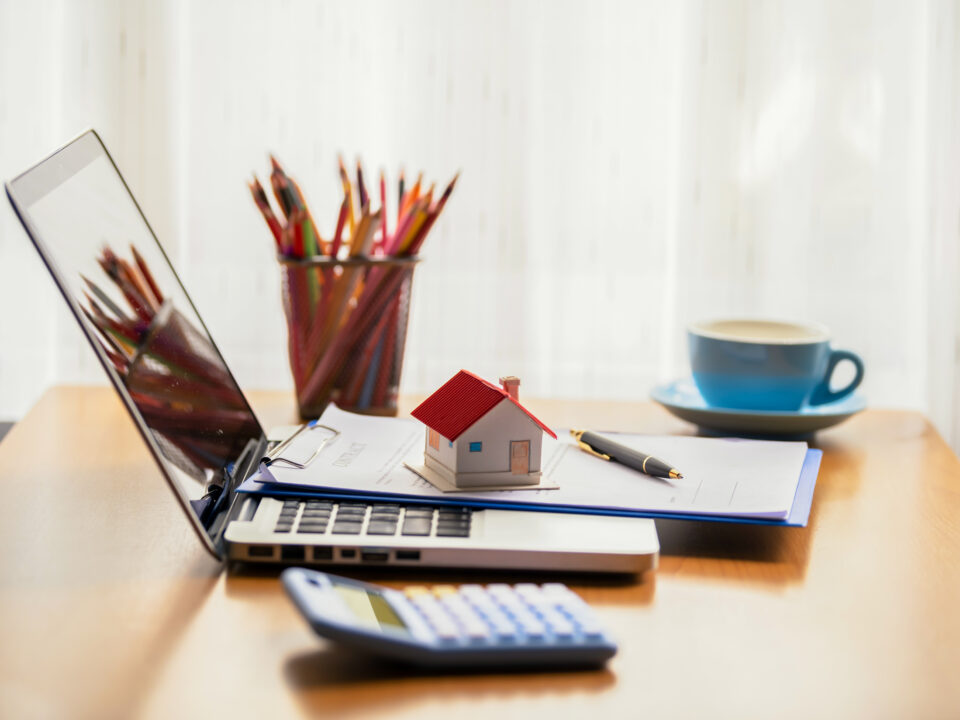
(496, 619)
(559, 626)
(471, 623)
(530, 593)
(531, 626)
(504, 596)
(413, 621)
(437, 618)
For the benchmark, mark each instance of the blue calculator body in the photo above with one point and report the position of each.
(469, 625)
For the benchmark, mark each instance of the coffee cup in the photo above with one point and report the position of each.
(750, 364)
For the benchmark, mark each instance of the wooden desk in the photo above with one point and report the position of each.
(110, 608)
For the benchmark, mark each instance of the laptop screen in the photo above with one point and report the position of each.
(143, 326)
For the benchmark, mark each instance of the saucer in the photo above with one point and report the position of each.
(682, 398)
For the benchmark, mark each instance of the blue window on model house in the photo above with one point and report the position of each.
(476, 447)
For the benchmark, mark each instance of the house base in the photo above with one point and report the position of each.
(445, 480)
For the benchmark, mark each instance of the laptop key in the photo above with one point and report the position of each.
(347, 528)
(417, 526)
(417, 512)
(314, 521)
(453, 531)
(381, 528)
(448, 521)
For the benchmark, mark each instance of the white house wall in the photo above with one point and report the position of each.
(502, 424)
(444, 454)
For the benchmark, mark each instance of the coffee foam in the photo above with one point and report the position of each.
(760, 331)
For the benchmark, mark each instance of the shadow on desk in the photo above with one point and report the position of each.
(438, 575)
(329, 679)
(245, 581)
(699, 549)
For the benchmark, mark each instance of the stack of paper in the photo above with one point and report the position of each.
(724, 479)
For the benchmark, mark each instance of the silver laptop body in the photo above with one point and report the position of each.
(128, 300)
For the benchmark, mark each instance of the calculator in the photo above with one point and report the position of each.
(469, 625)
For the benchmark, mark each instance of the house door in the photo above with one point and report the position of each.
(519, 457)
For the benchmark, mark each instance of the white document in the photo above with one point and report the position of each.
(742, 478)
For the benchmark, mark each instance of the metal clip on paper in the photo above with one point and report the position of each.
(284, 452)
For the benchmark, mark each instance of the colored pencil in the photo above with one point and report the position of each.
(344, 325)
(383, 208)
(338, 235)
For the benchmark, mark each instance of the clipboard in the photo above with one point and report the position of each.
(799, 512)
(300, 459)
(366, 463)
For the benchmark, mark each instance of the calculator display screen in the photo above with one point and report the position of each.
(370, 609)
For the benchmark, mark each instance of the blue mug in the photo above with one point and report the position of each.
(766, 364)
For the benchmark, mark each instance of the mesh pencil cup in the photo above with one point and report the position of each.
(346, 330)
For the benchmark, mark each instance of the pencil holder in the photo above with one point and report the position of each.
(346, 330)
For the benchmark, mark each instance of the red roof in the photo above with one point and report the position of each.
(461, 401)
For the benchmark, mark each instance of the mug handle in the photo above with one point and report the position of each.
(822, 393)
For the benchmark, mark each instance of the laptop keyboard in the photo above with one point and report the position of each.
(319, 517)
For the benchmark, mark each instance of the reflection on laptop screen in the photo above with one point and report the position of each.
(104, 255)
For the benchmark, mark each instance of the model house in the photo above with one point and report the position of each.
(479, 435)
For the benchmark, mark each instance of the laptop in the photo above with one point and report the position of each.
(205, 438)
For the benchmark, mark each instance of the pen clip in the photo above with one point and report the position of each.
(587, 448)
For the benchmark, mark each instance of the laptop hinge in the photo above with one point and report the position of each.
(228, 502)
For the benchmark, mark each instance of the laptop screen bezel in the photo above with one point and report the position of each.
(43, 178)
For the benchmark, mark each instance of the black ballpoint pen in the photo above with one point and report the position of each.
(608, 450)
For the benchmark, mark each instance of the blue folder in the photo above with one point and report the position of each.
(799, 512)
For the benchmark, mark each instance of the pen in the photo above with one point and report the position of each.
(608, 450)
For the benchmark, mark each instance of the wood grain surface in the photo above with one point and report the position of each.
(109, 607)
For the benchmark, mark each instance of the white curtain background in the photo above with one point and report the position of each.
(626, 168)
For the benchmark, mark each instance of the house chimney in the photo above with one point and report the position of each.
(511, 383)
